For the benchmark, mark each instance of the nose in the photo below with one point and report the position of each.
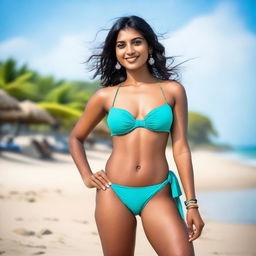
(130, 49)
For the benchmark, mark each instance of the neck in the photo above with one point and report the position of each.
(139, 76)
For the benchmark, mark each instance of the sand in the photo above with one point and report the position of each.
(46, 209)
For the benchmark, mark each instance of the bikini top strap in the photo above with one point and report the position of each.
(162, 92)
(115, 95)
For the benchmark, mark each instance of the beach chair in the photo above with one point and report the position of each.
(37, 149)
(10, 146)
(60, 145)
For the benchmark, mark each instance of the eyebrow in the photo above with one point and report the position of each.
(132, 39)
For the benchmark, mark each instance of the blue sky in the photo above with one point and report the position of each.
(54, 38)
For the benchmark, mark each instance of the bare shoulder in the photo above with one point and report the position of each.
(174, 90)
(106, 91)
(103, 96)
(173, 87)
(101, 93)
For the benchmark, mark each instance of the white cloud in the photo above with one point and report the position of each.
(63, 60)
(219, 81)
(20, 48)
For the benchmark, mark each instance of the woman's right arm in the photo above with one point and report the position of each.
(93, 113)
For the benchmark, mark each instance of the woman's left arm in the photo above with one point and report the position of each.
(182, 156)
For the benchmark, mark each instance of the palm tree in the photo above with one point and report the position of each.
(57, 97)
(16, 81)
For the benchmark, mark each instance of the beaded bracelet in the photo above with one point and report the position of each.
(190, 201)
(189, 204)
(190, 207)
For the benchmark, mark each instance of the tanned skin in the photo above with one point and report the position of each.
(138, 159)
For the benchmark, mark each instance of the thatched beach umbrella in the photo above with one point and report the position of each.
(29, 113)
(34, 113)
(7, 102)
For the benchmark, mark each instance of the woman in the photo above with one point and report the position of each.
(143, 105)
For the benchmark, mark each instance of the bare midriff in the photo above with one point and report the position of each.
(138, 158)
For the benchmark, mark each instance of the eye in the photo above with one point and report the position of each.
(120, 45)
(137, 42)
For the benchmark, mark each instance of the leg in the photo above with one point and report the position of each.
(116, 224)
(165, 229)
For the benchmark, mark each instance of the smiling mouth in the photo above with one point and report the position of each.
(132, 59)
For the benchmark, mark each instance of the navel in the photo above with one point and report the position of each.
(138, 167)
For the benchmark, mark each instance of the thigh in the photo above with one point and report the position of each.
(116, 224)
(165, 229)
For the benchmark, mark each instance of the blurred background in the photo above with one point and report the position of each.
(44, 87)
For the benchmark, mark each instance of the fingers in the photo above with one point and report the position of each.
(100, 180)
(196, 232)
(190, 228)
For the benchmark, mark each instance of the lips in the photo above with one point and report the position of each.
(132, 59)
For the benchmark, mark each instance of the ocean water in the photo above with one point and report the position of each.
(243, 154)
(233, 206)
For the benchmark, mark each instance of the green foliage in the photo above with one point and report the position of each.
(44, 86)
(17, 81)
(66, 116)
(60, 111)
(67, 94)
(200, 129)
(60, 94)
(9, 71)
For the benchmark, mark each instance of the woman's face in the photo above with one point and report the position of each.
(132, 49)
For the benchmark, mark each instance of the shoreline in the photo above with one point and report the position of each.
(212, 171)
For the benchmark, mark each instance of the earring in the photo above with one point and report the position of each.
(151, 60)
(117, 66)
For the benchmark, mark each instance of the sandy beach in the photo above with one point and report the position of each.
(46, 208)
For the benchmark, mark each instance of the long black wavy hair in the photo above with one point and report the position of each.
(104, 62)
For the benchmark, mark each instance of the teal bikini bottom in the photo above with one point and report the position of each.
(135, 198)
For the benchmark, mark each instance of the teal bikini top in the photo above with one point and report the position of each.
(121, 121)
